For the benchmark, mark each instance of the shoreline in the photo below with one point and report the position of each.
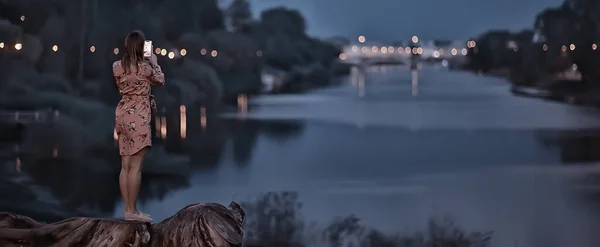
(585, 95)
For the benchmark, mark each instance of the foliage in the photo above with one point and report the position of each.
(274, 220)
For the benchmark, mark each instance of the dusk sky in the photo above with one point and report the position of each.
(384, 20)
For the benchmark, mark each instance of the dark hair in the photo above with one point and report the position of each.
(134, 50)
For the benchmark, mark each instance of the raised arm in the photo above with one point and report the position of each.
(157, 78)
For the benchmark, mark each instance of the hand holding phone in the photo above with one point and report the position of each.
(153, 59)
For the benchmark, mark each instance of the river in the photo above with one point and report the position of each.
(396, 147)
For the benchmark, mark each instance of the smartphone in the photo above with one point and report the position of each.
(148, 48)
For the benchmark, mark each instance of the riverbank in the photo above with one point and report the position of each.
(555, 88)
(575, 95)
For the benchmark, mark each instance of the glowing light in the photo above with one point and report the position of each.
(171, 55)
(259, 53)
(55, 48)
(471, 44)
(414, 50)
(391, 49)
(407, 49)
(203, 51)
(572, 47)
(415, 39)
(594, 47)
(464, 51)
(564, 48)
(354, 48)
(163, 52)
(374, 49)
(420, 51)
(163, 128)
(92, 49)
(365, 49)
(383, 49)
(182, 122)
(342, 56)
(214, 53)
(242, 101)
(545, 47)
(400, 50)
(116, 51)
(22, 18)
(157, 51)
(436, 54)
(183, 52)
(18, 46)
(1, 45)
(454, 51)
(203, 117)
(362, 39)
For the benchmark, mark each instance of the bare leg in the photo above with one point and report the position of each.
(125, 160)
(134, 178)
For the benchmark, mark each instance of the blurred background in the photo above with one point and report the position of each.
(336, 123)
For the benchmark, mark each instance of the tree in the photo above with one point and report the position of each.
(284, 20)
(239, 13)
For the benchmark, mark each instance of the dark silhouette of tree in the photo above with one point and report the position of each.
(284, 20)
(239, 13)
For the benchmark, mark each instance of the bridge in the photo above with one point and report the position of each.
(378, 53)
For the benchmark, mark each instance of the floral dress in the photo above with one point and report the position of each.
(133, 113)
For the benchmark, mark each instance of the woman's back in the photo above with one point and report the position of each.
(137, 81)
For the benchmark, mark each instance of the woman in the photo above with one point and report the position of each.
(134, 75)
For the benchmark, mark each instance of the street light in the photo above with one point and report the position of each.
(362, 39)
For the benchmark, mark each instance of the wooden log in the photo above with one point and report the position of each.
(200, 225)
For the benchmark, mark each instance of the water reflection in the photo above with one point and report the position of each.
(182, 122)
(80, 189)
(88, 186)
(414, 81)
(392, 177)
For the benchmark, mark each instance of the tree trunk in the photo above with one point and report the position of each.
(200, 225)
